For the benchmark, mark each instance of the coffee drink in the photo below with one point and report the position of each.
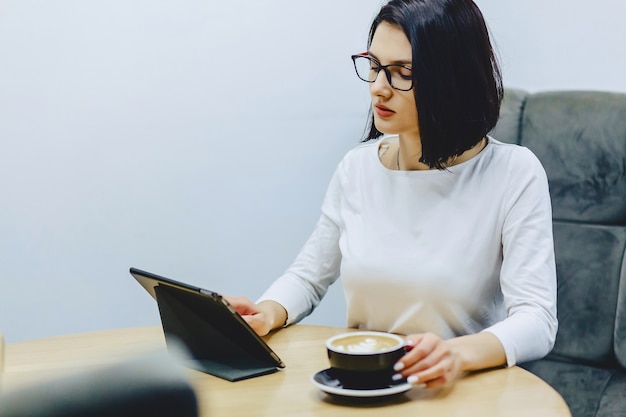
(365, 343)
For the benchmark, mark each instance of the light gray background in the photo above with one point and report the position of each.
(195, 138)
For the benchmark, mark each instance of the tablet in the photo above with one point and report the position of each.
(219, 341)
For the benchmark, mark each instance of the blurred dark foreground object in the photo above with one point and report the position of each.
(153, 385)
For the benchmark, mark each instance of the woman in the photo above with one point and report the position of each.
(438, 231)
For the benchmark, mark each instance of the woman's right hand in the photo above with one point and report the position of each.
(262, 317)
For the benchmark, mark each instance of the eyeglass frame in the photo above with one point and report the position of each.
(378, 68)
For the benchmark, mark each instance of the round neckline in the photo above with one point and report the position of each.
(392, 139)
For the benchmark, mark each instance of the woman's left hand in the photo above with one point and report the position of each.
(431, 362)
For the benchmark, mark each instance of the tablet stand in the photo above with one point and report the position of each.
(215, 349)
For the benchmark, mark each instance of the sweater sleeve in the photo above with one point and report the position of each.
(528, 274)
(301, 288)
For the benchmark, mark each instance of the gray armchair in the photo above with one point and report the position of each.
(580, 138)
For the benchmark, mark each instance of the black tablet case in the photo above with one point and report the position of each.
(216, 346)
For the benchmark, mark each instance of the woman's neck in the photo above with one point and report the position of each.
(409, 152)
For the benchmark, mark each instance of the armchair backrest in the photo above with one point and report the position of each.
(580, 138)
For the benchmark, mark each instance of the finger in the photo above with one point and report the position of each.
(440, 374)
(412, 340)
(434, 383)
(428, 374)
(421, 348)
(242, 304)
(446, 378)
(435, 357)
(411, 356)
(257, 324)
(236, 300)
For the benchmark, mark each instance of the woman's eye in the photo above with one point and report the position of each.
(402, 72)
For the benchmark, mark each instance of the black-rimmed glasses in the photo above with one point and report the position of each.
(367, 68)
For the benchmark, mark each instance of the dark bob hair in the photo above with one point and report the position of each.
(456, 77)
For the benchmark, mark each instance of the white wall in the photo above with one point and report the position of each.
(195, 139)
(548, 45)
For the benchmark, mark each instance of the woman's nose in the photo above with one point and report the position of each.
(381, 85)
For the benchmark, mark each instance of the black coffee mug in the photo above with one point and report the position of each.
(364, 359)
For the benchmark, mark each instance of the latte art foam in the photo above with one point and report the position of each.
(361, 344)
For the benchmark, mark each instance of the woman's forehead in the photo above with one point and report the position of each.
(389, 43)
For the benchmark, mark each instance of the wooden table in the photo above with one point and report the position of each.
(501, 392)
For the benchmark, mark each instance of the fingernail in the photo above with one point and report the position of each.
(398, 366)
(396, 377)
(412, 379)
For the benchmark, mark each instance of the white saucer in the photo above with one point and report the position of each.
(327, 382)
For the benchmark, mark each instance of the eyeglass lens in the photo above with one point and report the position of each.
(399, 76)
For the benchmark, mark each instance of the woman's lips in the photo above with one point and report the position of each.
(383, 111)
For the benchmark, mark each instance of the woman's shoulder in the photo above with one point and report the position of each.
(518, 164)
(513, 155)
(365, 152)
(369, 146)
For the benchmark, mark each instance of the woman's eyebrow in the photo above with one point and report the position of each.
(396, 62)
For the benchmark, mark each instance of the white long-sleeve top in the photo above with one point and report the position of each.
(453, 252)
